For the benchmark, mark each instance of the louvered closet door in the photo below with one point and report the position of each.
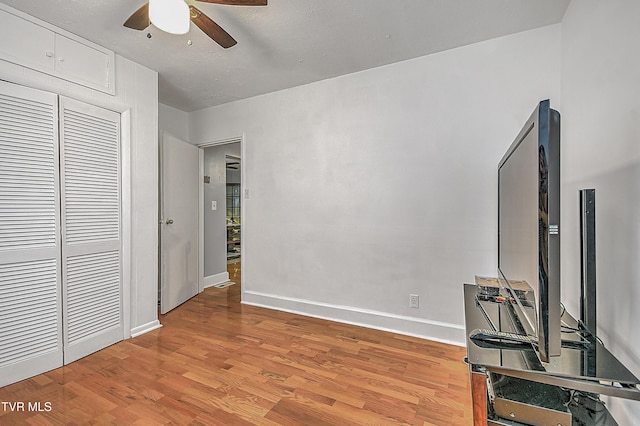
(91, 253)
(30, 302)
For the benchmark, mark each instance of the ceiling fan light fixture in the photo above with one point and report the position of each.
(171, 16)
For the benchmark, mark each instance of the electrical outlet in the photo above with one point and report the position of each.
(214, 205)
(414, 301)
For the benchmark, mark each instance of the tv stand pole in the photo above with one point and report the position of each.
(588, 259)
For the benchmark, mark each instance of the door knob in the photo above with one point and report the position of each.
(169, 222)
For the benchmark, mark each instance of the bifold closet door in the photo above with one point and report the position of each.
(91, 251)
(30, 299)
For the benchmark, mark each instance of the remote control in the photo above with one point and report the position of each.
(501, 336)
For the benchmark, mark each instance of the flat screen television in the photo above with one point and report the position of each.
(529, 224)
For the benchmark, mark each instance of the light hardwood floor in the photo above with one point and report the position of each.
(217, 362)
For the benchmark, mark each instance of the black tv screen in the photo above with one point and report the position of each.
(528, 226)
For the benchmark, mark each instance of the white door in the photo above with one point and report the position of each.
(91, 252)
(179, 243)
(60, 254)
(30, 301)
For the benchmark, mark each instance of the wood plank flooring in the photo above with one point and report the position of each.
(217, 362)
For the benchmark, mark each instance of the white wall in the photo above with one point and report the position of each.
(136, 92)
(372, 186)
(173, 121)
(601, 150)
(137, 89)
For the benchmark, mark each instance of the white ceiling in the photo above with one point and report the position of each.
(290, 42)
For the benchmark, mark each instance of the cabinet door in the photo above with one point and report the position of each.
(91, 251)
(25, 43)
(35, 44)
(81, 63)
(30, 299)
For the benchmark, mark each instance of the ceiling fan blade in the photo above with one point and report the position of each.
(238, 2)
(140, 19)
(210, 28)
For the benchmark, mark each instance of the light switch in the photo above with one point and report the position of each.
(214, 205)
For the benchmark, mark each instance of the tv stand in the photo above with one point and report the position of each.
(513, 387)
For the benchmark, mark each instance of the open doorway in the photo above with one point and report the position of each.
(221, 218)
(233, 208)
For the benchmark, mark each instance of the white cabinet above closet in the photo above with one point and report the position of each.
(35, 44)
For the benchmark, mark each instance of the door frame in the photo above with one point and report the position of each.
(244, 197)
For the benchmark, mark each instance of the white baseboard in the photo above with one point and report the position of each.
(212, 280)
(145, 328)
(453, 334)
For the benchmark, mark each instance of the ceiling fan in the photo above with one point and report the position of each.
(174, 16)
